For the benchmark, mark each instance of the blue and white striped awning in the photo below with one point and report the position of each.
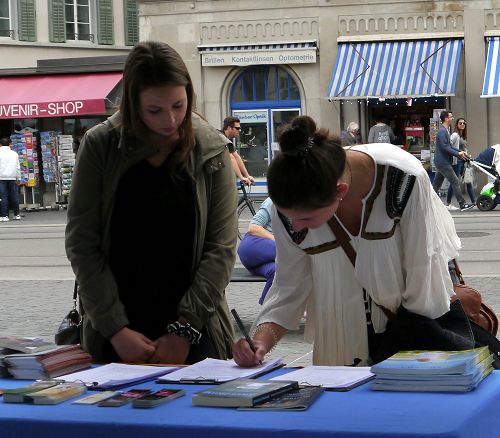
(395, 69)
(491, 84)
(217, 48)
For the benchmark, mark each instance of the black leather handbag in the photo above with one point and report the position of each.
(68, 332)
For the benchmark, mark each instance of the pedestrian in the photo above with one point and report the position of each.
(443, 159)
(458, 141)
(10, 178)
(257, 249)
(351, 135)
(152, 225)
(380, 132)
(231, 129)
(401, 237)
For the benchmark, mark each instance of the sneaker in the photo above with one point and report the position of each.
(451, 207)
(4, 219)
(465, 207)
(17, 217)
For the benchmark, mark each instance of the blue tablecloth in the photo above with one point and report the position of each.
(358, 413)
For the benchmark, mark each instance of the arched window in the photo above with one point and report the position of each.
(264, 86)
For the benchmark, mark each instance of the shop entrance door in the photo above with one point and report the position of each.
(280, 117)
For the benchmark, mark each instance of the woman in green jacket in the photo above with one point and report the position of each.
(151, 230)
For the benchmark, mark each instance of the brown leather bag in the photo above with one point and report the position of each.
(473, 305)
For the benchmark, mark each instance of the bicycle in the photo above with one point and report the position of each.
(247, 206)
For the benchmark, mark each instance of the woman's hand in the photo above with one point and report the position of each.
(132, 346)
(244, 356)
(170, 348)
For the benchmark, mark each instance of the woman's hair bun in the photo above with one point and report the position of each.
(298, 136)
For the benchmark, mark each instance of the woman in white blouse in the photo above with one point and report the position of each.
(401, 232)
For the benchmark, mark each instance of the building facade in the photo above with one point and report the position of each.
(337, 61)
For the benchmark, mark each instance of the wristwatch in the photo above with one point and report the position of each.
(185, 330)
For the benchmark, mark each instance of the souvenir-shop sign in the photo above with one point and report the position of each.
(52, 109)
(219, 59)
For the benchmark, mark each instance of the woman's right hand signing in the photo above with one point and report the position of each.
(132, 346)
(244, 356)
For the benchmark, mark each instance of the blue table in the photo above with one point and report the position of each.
(358, 413)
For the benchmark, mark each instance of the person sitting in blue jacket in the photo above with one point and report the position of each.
(257, 250)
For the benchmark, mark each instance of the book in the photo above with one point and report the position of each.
(25, 344)
(212, 371)
(433, 371)
(242, 392)
(56, 394)
(431, 362)
(17, 395)
(118, 375)
(295, 400)
(333, 378)
(158, 398)
(47, 364)
(95, 398)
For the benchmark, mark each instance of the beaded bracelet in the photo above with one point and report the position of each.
(266, 328)
(185, 330)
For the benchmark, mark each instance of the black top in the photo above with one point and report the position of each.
(152, 232)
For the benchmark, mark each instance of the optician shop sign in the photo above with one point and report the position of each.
(221, 59)
(52, 109)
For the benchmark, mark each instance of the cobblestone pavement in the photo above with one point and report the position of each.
(34, 303)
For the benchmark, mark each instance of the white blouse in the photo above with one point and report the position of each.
(409, 268)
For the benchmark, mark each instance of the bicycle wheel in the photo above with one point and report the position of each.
(245, 215)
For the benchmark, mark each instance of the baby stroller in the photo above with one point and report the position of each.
(487, 162)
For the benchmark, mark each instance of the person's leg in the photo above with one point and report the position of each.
(456, 169)
(4, 205)
(13, 197)
(254, 251)
(266, 270)
(449, 174)
(437, 181)
(470, 191)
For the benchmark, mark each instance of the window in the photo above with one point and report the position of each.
(77, 19)
(131, 17)
(5, 19)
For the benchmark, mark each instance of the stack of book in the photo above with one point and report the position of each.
(33, 358)
(433, 371)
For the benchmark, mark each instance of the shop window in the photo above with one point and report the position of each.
(265, 84)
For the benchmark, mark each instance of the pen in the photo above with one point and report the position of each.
(243, 331)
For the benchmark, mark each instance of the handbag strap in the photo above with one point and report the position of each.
(458, 272)
(345, 242)
(75, 295)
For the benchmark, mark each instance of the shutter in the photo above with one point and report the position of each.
(27, 20)
(131, 22)
(57, 21)
(105, 22)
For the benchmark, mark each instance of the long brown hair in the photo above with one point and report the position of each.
(464, 131)
(154, 64)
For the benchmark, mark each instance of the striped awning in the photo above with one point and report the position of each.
(491, 84)
(221, 48)
(395, 69)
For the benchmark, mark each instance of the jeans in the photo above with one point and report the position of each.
(447, 172)
(459, 170)
(10, 197)
(257, 254)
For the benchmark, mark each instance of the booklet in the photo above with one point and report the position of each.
(333, 378)
(25, 344)
(217, 371)
(295, 400)
(118, 375)
(242, 393)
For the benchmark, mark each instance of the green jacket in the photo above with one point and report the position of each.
(104, 156)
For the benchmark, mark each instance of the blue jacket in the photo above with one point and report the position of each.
(444, 150)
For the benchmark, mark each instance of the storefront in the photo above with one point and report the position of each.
(45, 116)
(401, 83)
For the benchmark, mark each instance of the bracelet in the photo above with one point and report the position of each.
(185, 330)
(266, 328)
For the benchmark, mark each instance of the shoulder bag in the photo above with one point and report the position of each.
(68, 332)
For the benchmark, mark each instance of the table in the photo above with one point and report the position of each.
(358, 413)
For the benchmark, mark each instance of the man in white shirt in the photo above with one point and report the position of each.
(10, 178)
